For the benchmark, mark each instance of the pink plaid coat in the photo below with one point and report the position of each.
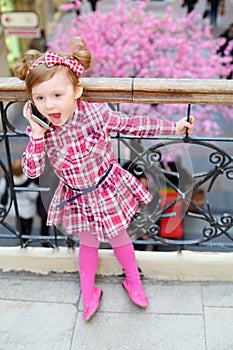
(81, 153)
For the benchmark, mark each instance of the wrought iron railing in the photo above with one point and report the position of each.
(185, 175)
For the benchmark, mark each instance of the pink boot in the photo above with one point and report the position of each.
(93, 306)
(88, 263)
(132, 284)
(137, 298)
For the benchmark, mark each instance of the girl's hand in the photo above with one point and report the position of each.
(37, 130)
(183, 125)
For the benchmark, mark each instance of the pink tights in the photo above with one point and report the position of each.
(88, 263)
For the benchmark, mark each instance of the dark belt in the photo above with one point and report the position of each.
(86, 190)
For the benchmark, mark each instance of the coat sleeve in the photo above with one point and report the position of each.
(136, 125)
(33, 158)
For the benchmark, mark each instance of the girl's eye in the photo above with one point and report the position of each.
(57, 95)
(39, 98)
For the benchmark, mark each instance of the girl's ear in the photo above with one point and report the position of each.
(78, 91)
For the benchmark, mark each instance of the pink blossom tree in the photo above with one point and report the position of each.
(130, 41)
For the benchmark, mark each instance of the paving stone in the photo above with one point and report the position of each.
(36, 325)
(43, 289)
(218, 295)
(111, 331)
(219, 329)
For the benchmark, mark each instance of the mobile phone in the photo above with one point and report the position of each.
(37, 116)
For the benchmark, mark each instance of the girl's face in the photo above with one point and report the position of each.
(56, 98)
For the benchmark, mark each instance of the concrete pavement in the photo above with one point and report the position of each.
(44, 312)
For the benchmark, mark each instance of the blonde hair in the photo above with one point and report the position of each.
(42, 73)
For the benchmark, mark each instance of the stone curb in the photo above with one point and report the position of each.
(162, 266)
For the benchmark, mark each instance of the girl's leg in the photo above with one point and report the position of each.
(124, 252)
(88, 263)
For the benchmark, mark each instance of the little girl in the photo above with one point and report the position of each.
(95, 198)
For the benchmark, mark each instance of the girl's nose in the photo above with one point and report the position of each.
(49, 104)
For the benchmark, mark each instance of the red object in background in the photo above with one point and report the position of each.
(171, 227)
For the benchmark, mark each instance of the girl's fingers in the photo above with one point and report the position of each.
(27, 111)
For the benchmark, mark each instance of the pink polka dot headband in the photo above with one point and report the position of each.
(51, 59)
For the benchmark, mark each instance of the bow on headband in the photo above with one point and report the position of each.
(51, 59)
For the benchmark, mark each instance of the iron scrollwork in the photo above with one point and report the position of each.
(151, 163)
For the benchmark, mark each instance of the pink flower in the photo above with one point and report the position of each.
(130, 41)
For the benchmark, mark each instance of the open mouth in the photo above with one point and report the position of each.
(55, 115)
